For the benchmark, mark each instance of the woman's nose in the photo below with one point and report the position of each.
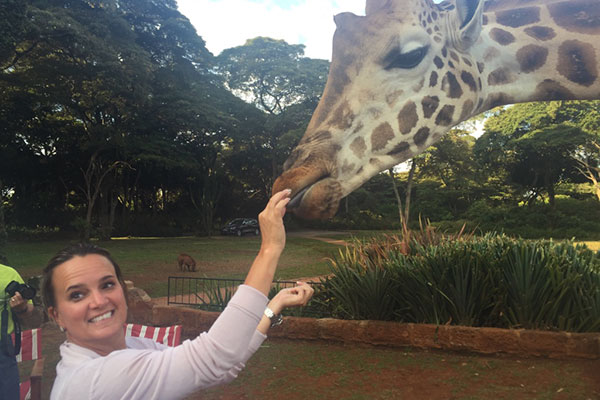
(98, 298)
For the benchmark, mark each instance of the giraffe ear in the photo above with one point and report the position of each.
(469, 19)
(345, 19)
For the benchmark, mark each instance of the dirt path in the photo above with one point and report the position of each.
(319, 235)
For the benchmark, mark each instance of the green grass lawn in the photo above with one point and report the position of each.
(148, 262)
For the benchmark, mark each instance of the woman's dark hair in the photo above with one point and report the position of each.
(66, 254)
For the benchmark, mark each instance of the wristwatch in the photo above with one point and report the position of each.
(276, 319)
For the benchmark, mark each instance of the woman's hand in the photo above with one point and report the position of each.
(271, 222)
(296, 296)
(272, 231)
(291, 297)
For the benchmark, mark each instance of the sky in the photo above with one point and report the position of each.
(229, 23)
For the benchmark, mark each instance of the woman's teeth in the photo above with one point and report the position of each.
(101, 317)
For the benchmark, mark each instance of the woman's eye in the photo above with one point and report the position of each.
(109, 285)
(395, 59)
(75, 295)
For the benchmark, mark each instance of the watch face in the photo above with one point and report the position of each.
(276, 320)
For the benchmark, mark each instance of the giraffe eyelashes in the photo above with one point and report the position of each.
(396, 59)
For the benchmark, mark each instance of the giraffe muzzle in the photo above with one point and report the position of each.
(297, 199)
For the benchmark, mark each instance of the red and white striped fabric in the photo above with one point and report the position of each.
(31, 349)
(31, 345)
(169, 335)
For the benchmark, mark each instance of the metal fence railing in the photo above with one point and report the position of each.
(213, 294)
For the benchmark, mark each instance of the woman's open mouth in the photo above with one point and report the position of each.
(102, 317)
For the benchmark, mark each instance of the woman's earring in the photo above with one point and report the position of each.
(61, 329)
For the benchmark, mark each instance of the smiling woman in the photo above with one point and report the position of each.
(84, 293)
(88, 297)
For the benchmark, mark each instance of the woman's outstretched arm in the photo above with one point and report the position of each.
(272, 233)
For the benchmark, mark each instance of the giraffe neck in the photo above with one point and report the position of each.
(547, 50)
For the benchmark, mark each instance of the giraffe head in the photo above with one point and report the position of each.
(400, 77)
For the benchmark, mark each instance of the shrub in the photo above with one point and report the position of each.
(359, 287)
(452, 282)
(492, 280)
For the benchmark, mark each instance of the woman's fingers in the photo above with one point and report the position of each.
(276, 200)
(271, 221)
(299, 295)
(281, 205)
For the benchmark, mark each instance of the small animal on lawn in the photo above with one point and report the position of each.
(186, 261)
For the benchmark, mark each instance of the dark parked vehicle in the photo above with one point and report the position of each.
(241, 226)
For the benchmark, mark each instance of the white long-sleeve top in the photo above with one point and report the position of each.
(148, 370)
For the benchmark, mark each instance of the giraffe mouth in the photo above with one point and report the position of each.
(297, 199)
(315, 193)
(317, 200)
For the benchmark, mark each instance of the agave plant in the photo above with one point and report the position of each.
(450, 283)
(492, 280)
(552, 286)
(361, 288)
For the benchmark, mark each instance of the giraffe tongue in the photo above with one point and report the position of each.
(297, 199)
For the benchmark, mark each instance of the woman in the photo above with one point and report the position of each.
(84, 293)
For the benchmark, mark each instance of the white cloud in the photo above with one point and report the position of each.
(228, 23)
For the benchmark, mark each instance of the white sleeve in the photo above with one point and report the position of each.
(214, 357)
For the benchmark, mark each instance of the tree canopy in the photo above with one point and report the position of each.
(116, 119)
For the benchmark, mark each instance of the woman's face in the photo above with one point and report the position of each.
(90, 303)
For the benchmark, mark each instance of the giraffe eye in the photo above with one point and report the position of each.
(409, 60)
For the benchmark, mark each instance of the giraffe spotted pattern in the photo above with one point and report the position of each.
(402, 75)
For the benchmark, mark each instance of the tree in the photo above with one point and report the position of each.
(272, 74)
(14, 22)
(532, 145)
(276, 78)
(397, 195)
(3, 234)
(590, 169)
(451, 161)
(88, 86)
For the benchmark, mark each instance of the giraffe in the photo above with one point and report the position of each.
(408, 70)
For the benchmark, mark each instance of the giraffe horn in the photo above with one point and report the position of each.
(376, 5)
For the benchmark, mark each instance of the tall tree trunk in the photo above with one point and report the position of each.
(409, 185)
(94, 177)
(208, 197)
(549, 187)
(397, 194)
(103, 211)
(114, 201)
(3, 234)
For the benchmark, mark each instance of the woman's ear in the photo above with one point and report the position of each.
(53, 314)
